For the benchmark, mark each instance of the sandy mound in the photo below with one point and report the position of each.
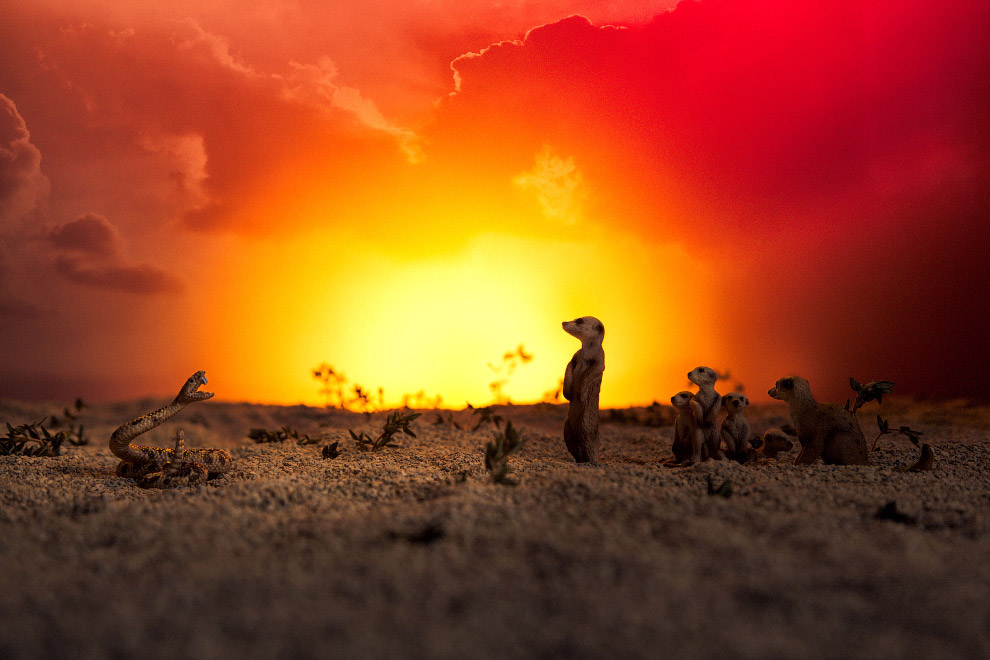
(413, 553)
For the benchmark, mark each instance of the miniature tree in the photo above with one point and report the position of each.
(332, 384)
(510, 361)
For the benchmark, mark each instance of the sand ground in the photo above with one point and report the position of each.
(413, 553)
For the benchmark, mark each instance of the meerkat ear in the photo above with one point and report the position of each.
(600, 328)
(746, 400)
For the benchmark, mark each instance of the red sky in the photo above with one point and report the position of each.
(408, 190)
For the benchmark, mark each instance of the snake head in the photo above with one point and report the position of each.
(190, 391)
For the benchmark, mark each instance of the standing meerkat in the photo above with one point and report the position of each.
(582, 385)
(825, 430)
(734, 430)
(711, 403)
(687, 435)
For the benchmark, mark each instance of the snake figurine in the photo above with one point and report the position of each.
(157, 467)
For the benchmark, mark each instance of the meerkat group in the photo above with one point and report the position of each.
(824, 430)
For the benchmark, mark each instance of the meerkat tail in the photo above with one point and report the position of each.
(926, 461)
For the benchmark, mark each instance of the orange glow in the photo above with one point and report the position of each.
(433, 323)
(408, 190)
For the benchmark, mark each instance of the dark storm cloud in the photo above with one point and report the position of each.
(90, 251)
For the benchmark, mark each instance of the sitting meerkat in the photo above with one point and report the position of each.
(711, 402)
(688, 440)
(582, 385)
(734, 430)
(825, 430)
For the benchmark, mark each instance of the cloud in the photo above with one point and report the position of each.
(89, 234)
(91, 252)
(22, 185)
(830, 162)
(557, 184)
(215, 46)
(142, 279)
(749, 112)
(316, 85)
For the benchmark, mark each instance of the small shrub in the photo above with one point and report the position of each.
(486, 416)
(285, 433)
(331, 452)
(32, 440)
(397, 422)
(446, 421)
(497, 452)
(874, 391)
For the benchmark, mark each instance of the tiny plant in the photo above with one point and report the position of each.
(724, 489)
(727, 376)
(872, 391)
(497, 451)
(909, 433)
(331, 384)
(285, 433)
(331, 451)
(486, 416)
(553, 396)
(31, 440)
(74, 436)
(441, 420)
(510, 361)
(397, 422)
(421, 401)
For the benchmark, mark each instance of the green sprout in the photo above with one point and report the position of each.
(487, 416)
(497, 452)
(397, 422)
(909, 433)
(331, 451)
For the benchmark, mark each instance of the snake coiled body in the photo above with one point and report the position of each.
(157, 467)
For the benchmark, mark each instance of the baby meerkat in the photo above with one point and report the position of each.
(711, 402)
(774, 442)
(734, 430)
(688, 440)
(582, 385)
(825, 430)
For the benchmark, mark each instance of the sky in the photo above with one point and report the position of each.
(407, 191)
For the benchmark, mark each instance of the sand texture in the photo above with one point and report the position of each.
(413, 553)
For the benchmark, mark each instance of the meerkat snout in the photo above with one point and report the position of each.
(702, 376)
(585, 328)
(781, 391)
(735, 401)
